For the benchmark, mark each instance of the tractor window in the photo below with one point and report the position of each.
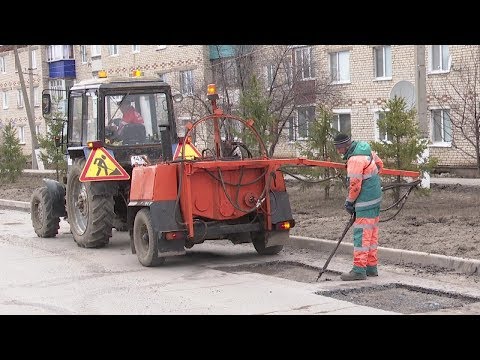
(76, 136)
(135, 118)
(91, 121)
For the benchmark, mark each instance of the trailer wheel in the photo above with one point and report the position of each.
(145, 239)
(259, 239)
(90, 209)
(44, 223)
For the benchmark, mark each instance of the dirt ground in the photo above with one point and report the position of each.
(444, 221)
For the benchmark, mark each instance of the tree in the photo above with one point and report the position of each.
(320, 146)
(12, 159)
(267, 84)
(52, 156)
(404, 145)
(293, 79)
(459, 98)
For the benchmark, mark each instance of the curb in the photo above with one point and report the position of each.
(23, 205)
(397, 256)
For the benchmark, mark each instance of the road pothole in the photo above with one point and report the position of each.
(401, 298)
(290, 270)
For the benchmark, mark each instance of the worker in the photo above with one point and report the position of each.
(363, 202)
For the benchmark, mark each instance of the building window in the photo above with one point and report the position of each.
(60, 52)
(383, 62)
(36, 96)
(19, 98)
(186, 82)
(303, 63)
(5, 99)
(440, 58)
(57, 87)
(3, 69)
(341, 121)
(21, 134)
(96, 50)
(269, 75)
(300, 126)
(37, 129)
(381, 136)
(113, 50)
(34, 59)
(340, 67)
(161, 47)
(441, 126)
(135, 48)
(83, 54)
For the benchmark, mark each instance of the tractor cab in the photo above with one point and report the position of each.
(129, 116)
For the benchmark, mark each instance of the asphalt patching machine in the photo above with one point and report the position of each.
(169, 192)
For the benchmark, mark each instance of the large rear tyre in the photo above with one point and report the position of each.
(90, 209)
(259, 239)
(44, 223)
(145, 240)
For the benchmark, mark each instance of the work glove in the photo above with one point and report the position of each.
(349, 207)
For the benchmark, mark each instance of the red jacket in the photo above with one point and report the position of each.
(131, 116)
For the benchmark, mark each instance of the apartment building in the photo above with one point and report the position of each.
(12, 108)
(363, 76)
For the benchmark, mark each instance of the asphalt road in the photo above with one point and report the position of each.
(54, 276)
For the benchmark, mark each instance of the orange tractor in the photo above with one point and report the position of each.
(221, 192)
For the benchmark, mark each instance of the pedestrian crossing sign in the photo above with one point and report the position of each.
(101, 166)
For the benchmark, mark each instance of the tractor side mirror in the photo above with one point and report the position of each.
(46, 104)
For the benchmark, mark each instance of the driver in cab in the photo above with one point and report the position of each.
(129, 116)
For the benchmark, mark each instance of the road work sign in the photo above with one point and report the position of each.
(102, 166)
(191, 152)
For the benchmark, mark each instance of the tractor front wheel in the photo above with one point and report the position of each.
(44, 223)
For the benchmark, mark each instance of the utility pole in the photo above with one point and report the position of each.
(26, 102)
(421, 102)
(421, 87)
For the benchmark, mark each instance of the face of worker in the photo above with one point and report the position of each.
(342, 149)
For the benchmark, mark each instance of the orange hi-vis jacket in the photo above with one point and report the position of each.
(364, 184)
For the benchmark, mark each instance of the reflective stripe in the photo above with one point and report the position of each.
(355, 176)
(365, 226)
(375, 172)
(367, 203)
(373, 247)
(360, 248)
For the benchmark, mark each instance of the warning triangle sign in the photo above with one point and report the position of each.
(102, 166)
(191, 152)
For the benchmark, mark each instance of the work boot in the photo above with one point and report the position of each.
(372, 271)
(353, 275)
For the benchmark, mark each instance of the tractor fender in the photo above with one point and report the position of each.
(57, 193)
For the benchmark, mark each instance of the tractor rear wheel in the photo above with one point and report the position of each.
(90, 209)
(259, 239)
(145, 239)
(44, 223)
